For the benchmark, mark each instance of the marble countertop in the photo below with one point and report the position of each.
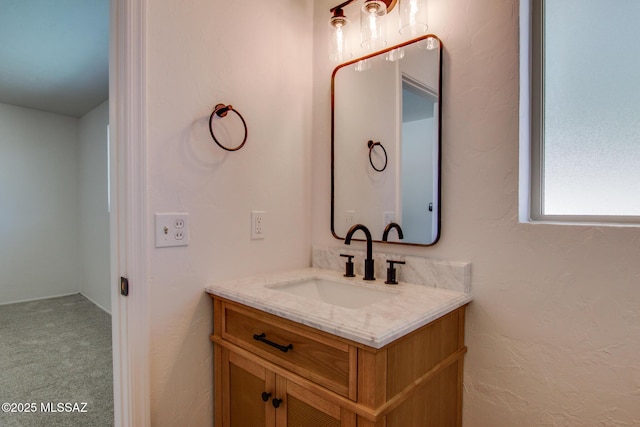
(375, 325)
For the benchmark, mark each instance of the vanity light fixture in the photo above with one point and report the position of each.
(413, 17)
(413, 21)
(429, 43)
(362, 65)
(339, 38)
(372, 25)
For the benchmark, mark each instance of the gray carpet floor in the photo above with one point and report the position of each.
(56, 351)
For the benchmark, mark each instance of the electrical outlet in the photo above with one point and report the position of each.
(257, 225)
(350, 218)
(387, 218)
(172, 229)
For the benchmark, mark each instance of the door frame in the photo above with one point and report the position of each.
(128, 217)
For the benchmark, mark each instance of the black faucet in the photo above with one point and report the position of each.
(387, 229)
(368, 263)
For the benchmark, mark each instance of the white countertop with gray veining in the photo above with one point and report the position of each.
(376, 325)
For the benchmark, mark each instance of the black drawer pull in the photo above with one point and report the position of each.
(276, 403)
(265, 396)
(262, 337)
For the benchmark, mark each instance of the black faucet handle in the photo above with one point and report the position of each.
(391, 272)
(348, 265)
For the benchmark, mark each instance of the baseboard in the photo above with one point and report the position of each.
(58, 296)
(96, 304)
(41, 298)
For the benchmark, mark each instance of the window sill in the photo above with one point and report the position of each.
(632, 222)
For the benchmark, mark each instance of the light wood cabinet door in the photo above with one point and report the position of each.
(304, 408)
(248, 390)
(254, 396)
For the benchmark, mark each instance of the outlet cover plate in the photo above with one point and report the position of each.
(172, 229)
(257, 225)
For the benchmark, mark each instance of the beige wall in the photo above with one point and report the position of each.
(259, 60)
(38, 205)
(53, 194)
(554, 329)
(93, 223)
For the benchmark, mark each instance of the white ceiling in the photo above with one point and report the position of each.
(54, 54)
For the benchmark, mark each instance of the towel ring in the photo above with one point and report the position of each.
(371, 145)
(221, 110)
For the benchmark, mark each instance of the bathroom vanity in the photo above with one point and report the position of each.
(312, 348)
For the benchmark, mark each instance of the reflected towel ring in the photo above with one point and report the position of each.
(221, 110)
(371, 145)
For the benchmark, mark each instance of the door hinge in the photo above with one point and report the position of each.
(124, 286)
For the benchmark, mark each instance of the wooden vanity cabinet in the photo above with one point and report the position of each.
(257, 396)
(324, 381)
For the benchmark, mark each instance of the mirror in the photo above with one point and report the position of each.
(385, 142)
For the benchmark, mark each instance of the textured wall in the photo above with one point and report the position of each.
(259, 60)
(554, 330)
(38, 204)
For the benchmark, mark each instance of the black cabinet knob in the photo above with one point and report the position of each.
(276, 402)
(265, 396)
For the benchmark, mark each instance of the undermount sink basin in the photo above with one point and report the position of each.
(342, 294)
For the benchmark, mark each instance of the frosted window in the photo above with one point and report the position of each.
(591, 151)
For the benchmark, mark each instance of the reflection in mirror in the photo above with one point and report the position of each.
(386, 112)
